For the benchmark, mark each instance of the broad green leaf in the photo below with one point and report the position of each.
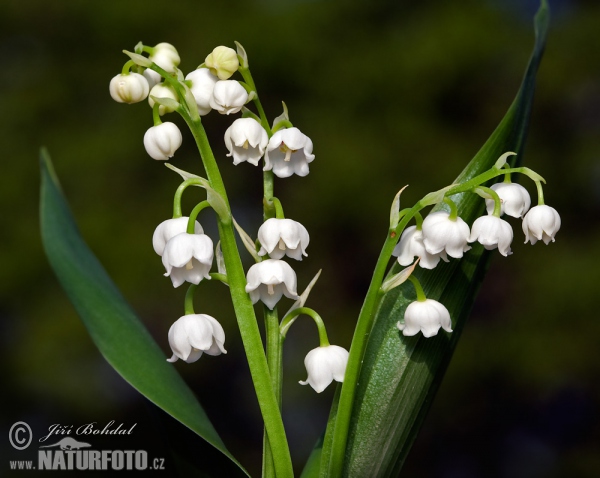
(400, 375)
(117, 332)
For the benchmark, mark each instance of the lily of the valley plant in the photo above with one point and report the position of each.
(407, 305)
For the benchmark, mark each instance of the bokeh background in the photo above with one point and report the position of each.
(391, 93)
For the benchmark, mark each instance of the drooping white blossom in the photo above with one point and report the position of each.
(194, 334)
(222, 62)
(166, 56)
(325, 364)
(188, 257)
(411, 246)
(515, 199)
(491, 232)
(228, 97)
(170, 228)
(283, 237)
(426, 316)
(203, 84)
(130, 88)
(289, 152)
(541, 223)
(440, 233)
(161, 141)
(161, 90)
(269, 280)
(246, 140)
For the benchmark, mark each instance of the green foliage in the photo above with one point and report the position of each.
(400, 375)
(117, 332)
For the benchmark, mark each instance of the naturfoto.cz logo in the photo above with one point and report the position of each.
(70, 454)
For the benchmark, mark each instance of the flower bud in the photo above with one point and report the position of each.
(223, 62)
(165, 55)
(131, 88)
(162, 141)
(228, 97)
(153, 77)
(515, 199)
(203, 84)
(162, 91)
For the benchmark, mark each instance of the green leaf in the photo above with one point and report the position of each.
(400, 375)
(117, 332)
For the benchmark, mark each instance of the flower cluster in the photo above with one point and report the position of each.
(186, 252)
(444, 234)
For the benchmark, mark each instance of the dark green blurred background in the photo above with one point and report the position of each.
(391, 93)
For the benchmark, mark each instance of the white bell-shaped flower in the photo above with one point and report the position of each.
(203, 84)
(161, 90)
(440, 233)
(283, 237)
(515, 199)
(228, 97)
(289, 152)
(246, 140)
(425, 316)
(188, 257)
(169, 229)
(166, 56)
(193, 334)
(161, 141)
(541, 223)
(324, 365)
(223, 62)
(411, 246)
(269, 280)
(131, 88)
(491, 232)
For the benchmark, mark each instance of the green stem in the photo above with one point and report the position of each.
(156, 114)
(453, 209)
(540, 191)
(189, 299)
(274, 359)
(244, 311)
(418, 288)
(219, 277)
(289, 319)
(363, 328)
(419, 221)
(495, 197)
(191, 225)
(490, 174)
(179, 192)
(127, 66)
(278, 208)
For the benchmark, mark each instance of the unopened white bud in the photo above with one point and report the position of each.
(203, 84)
(165, 55)
(162, 91)
(223, 62)
(162, 141)
(130, 88)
